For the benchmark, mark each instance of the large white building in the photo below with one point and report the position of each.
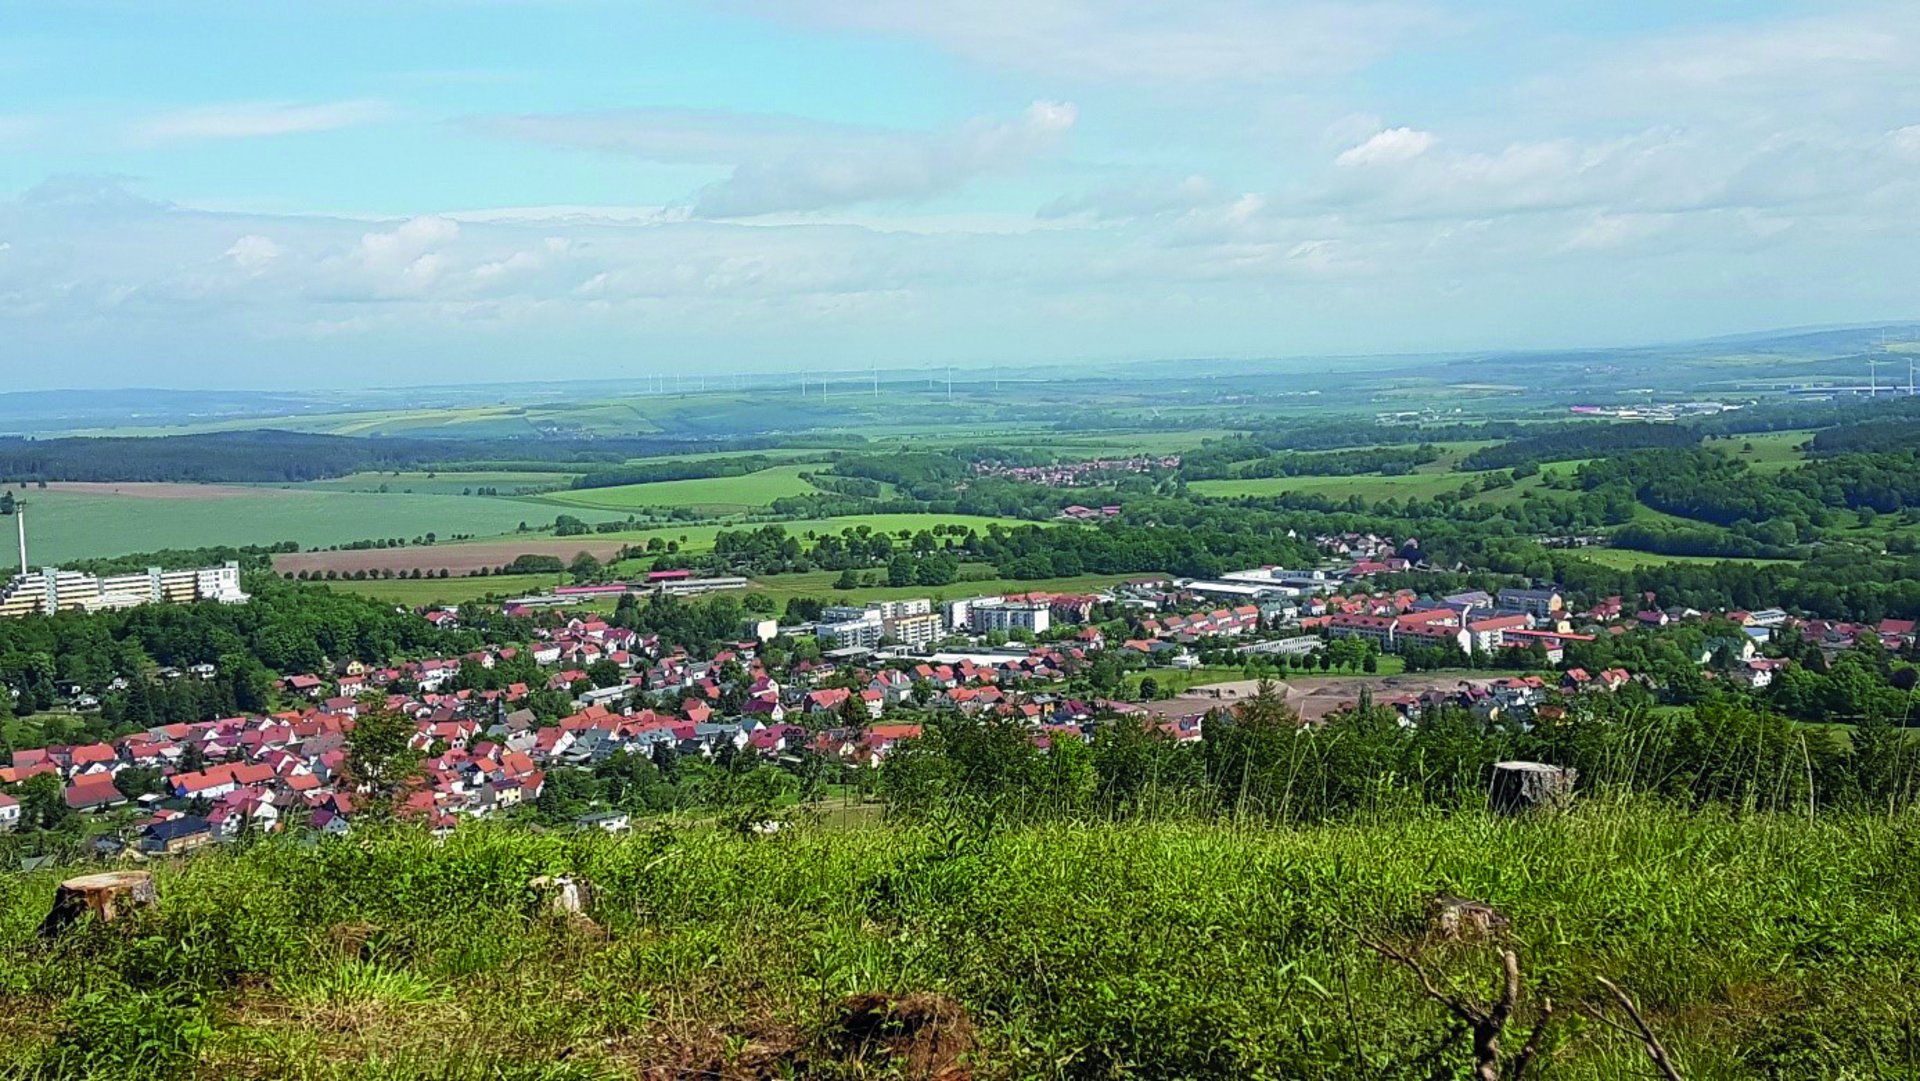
(51, 590)
(988, 614)
(910, 623)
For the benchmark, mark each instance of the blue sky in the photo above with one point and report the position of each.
(353, 193)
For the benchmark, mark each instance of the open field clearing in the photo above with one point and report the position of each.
(1767, 452)
(66, 522)
(498, 551)
(710, 495)
(1627, 559)
(1366, 486)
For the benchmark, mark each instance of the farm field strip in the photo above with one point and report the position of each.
(736, 494)
(71, 522)
(468, 556)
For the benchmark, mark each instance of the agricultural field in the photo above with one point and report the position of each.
(708, 495)
(459, 559)
(1366, 486)
(83, 521)
(456, 483)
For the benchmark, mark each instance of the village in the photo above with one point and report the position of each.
(879, 673)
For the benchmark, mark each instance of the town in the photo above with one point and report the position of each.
(847, 688)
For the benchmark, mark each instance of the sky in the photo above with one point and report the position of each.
(201, 193)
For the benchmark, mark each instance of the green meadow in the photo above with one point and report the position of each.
(1366, 486)
(1753, 945)
(709, 495)
(435, 483)
(1627, 559)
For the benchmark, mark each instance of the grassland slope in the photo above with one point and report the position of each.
(1758, 947)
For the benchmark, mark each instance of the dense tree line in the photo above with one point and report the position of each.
(1259, 761)
(651, 472)
(912, 470)
(1215, 462)
(1586, 440)
(285, 629)
(1887, 483)
(267, 456)
(252, 557)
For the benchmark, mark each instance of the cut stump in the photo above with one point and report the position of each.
(569, 899)
(1462, 919)
(108, 897)
(1519, 787)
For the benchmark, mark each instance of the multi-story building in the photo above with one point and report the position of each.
(987, 615)
(51, 590)
(914, 630)
(1540, 603)
(837, 631)
(908, 622)
(897, 609)
(1438, 626)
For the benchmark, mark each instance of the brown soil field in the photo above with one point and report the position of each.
(157, 490)
(1313, 697)
(455, 559)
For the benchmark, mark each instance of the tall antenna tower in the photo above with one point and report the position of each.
(875, 368)
(949, 384)
(20, 520)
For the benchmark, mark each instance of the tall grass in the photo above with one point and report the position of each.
(1761, 945)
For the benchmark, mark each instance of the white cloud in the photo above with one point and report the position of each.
(1906, 140)
(250, 120)
(253, 251)
(1389, 147)
(790, 164)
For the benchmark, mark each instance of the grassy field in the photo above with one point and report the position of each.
(692, 539)
(416, 483)
(1757, 946)
(1370, 487)
(1772, 452)
(709, 495)
(699, 537)
(1627, 559)
(820, 584)
(428, 592)
(70, 522)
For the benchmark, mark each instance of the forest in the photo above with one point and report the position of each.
(1580, 441)
(673, 469)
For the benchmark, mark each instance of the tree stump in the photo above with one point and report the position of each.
(1519, 787)
(569, 899)
(107, 896)
(1462, 919)
(566, 896)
